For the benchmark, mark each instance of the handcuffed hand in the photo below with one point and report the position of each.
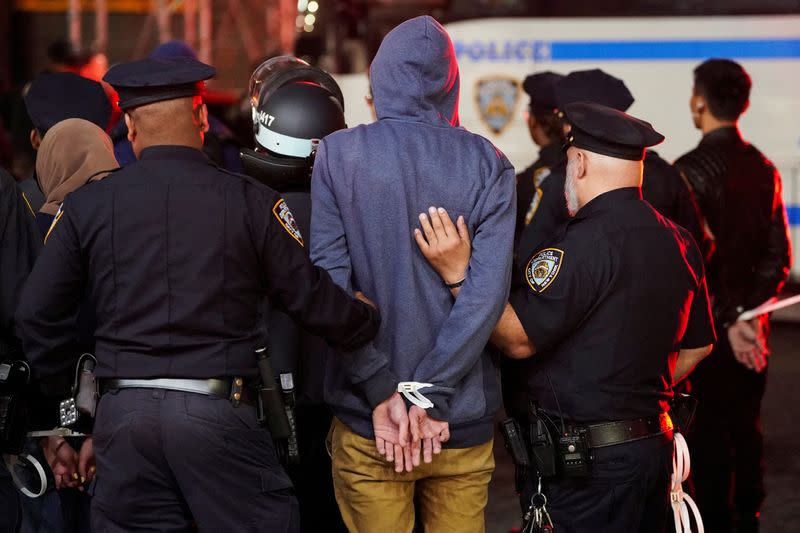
(749, 344)
(70, 469)
(63, 462)
(86, 463)
(446, 247)
(429, 432)
(390, 424)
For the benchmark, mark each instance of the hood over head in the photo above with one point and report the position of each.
(414, 75)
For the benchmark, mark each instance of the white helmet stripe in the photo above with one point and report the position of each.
(284, 144)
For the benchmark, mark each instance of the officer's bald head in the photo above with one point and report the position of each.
(590, 174)
(179, 121)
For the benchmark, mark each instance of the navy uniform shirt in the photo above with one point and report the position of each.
(662, 187)
(177, 257)
(19, 245)
(530, 181)
(608, 307)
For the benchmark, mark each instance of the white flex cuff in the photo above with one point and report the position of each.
(410, 389)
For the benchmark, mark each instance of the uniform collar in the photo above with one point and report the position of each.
(552, 154)
(186, 153)
(724, 134)
(608, 200)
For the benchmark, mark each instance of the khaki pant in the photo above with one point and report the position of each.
(452, 491)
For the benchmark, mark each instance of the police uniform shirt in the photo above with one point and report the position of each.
(176, 256)
(611, 304)
(530, 181)
(550, 214)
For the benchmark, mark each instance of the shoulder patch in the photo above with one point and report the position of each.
(286, 218)
(543, 268)
(55, 222)
(540, 175)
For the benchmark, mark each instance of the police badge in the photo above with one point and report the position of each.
(543, 268)
(286, 218)
(497, 99)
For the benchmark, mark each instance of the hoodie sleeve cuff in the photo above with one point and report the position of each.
(379, 387)
(441, 406)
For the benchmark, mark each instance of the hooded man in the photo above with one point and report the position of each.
(368, 186)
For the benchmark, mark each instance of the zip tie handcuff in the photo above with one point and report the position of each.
(410, 389)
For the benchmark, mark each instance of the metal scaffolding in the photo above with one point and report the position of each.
(271, 30)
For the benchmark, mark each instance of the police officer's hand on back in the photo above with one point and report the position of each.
(446, 246)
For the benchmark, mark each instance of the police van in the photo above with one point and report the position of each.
(655, 56)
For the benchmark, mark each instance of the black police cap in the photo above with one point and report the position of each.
(57, 96)
(155, 79)
(593, 86)
(604, 130)
(541, 87)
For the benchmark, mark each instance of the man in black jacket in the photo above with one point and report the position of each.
(739, 194)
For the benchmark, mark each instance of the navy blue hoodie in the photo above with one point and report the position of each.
(369, 185)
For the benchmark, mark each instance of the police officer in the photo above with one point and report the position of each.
(662, 185)
(19, 245)
(546, 132)
(56, 96)
(177, 256)
(219, 143)
(618, 306)
(307, 105)
(739, 192)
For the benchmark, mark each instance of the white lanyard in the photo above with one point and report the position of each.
(680, 501)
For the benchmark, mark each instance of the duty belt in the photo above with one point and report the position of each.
(612, 433)
(232, 389)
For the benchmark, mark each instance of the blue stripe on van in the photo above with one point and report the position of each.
(521, 51)
(793, 213)
(695, 49)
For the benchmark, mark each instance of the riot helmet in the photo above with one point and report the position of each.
(293, 107)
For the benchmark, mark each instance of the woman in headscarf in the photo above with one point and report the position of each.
(73, 153)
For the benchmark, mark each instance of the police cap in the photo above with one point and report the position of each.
(155, 79)
(604, 130)
(593, 86)
(56, 96)
(541, 87)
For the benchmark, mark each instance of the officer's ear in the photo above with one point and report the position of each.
(131, 124)
(36, 139)
(200, 112)
(581, 160)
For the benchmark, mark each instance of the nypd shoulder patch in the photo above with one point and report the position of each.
(543, 268)
(55, 222)
(285, 217)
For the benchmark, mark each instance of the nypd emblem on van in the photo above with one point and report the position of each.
(497, 98)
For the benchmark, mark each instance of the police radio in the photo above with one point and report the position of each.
(572, 443)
